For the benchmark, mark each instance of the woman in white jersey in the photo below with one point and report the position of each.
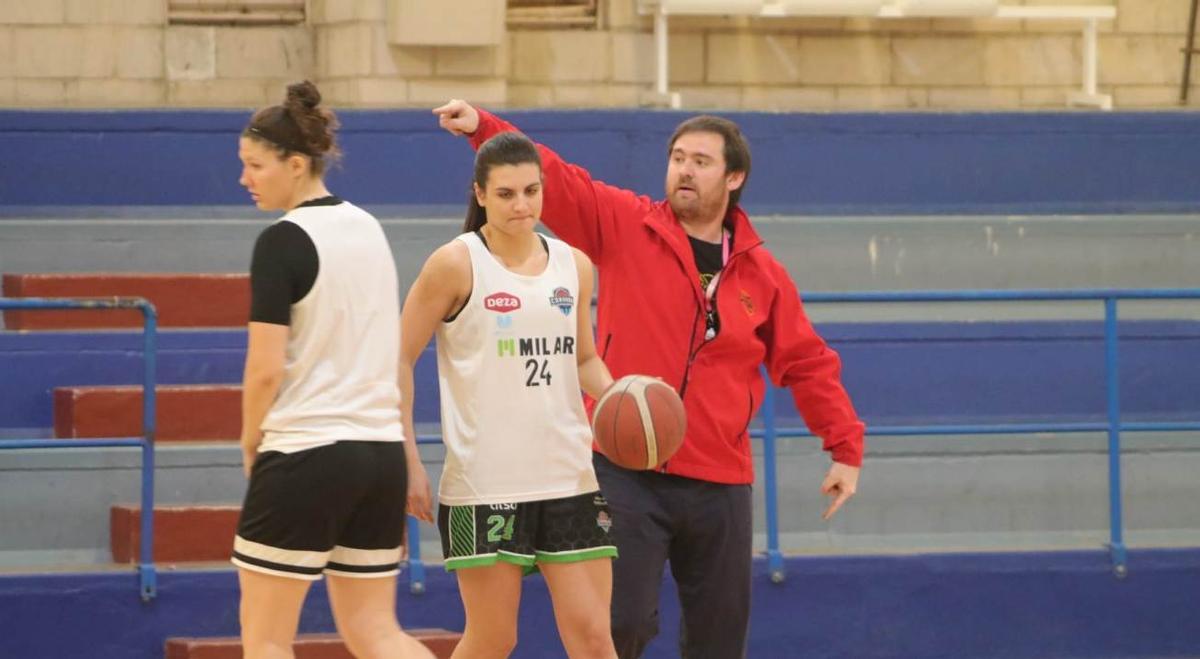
(511, 311)
(321, 435)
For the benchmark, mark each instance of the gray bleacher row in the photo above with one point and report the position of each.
(822, 253)
(948, 493)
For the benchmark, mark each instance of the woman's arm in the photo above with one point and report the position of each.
(440, 290)
(265, 351)
(594, 377)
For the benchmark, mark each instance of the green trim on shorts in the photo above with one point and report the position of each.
(484, 560)
(577, 555)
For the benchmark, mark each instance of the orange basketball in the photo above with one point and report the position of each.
(639, 422)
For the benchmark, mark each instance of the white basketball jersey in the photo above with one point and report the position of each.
(512, 413)
(340, 377)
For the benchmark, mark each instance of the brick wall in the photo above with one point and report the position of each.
(121, 53)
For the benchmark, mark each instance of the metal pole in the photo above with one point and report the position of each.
(660, 45)
(149, 581)
(416, 568)
(774, 557)
(1112, 382)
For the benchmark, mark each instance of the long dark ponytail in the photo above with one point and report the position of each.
(503, 149)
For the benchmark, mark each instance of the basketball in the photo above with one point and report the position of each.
(639, 422)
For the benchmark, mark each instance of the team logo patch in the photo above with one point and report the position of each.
(502, 302)
(504, 321)
(604, 521)
(562, 299)
(747, 303)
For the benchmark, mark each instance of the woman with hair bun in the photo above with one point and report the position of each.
(322, 439)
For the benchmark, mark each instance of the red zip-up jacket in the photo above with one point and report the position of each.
(650, 320)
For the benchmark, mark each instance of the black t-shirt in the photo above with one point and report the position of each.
(283, 268)
(709, 262)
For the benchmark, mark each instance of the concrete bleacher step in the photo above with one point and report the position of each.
(307, 646)
(181, 533)
(182, 300)
(184, 412)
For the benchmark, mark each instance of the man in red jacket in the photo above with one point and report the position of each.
(689, 294)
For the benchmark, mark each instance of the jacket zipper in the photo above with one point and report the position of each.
(687, 369)
(749, 413)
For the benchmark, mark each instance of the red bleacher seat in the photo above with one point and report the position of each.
(184, 412)
(181, 533)
(307, 646)
(182, 300)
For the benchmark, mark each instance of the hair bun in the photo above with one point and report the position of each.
(304, 94)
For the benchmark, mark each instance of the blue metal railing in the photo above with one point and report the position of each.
(769, 433)
(1113, 426)
(147, 577)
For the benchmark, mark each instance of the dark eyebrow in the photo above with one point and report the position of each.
(695, 154)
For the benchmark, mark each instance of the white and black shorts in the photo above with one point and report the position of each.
(566, 530)
(336, 509)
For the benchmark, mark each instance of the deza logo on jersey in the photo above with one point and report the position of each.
(502, 302)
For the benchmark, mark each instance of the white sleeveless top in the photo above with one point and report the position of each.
(340, 374)
(512, 412)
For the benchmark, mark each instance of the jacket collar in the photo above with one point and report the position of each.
(665, 224)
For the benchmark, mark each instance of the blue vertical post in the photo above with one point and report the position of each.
(1112, 381)
(146, 573)
(774, 557)
(416, 568)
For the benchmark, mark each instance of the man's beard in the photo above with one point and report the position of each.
(696, 209)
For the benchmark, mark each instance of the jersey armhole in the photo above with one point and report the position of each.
(470, 264)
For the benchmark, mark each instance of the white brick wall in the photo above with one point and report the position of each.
(344, 50)
(459, 61)
(1033, 61)
(938, 61)
(141, 53)
(561, 56)
(858, 60)
(120, 93)
(49, 52)
(190, 52)
(1140, 60)
(32, 12)
(247, 94)
(431, 92)
(749, 58)
(128, 12)
(264, 52)
(391, 61)
(7, 54)
(121, 53)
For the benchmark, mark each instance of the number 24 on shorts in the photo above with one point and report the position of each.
(500, 527)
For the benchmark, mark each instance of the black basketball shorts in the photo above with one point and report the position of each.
(336, 509)
(563, 530)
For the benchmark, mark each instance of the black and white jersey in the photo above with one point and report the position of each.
(344, 315)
